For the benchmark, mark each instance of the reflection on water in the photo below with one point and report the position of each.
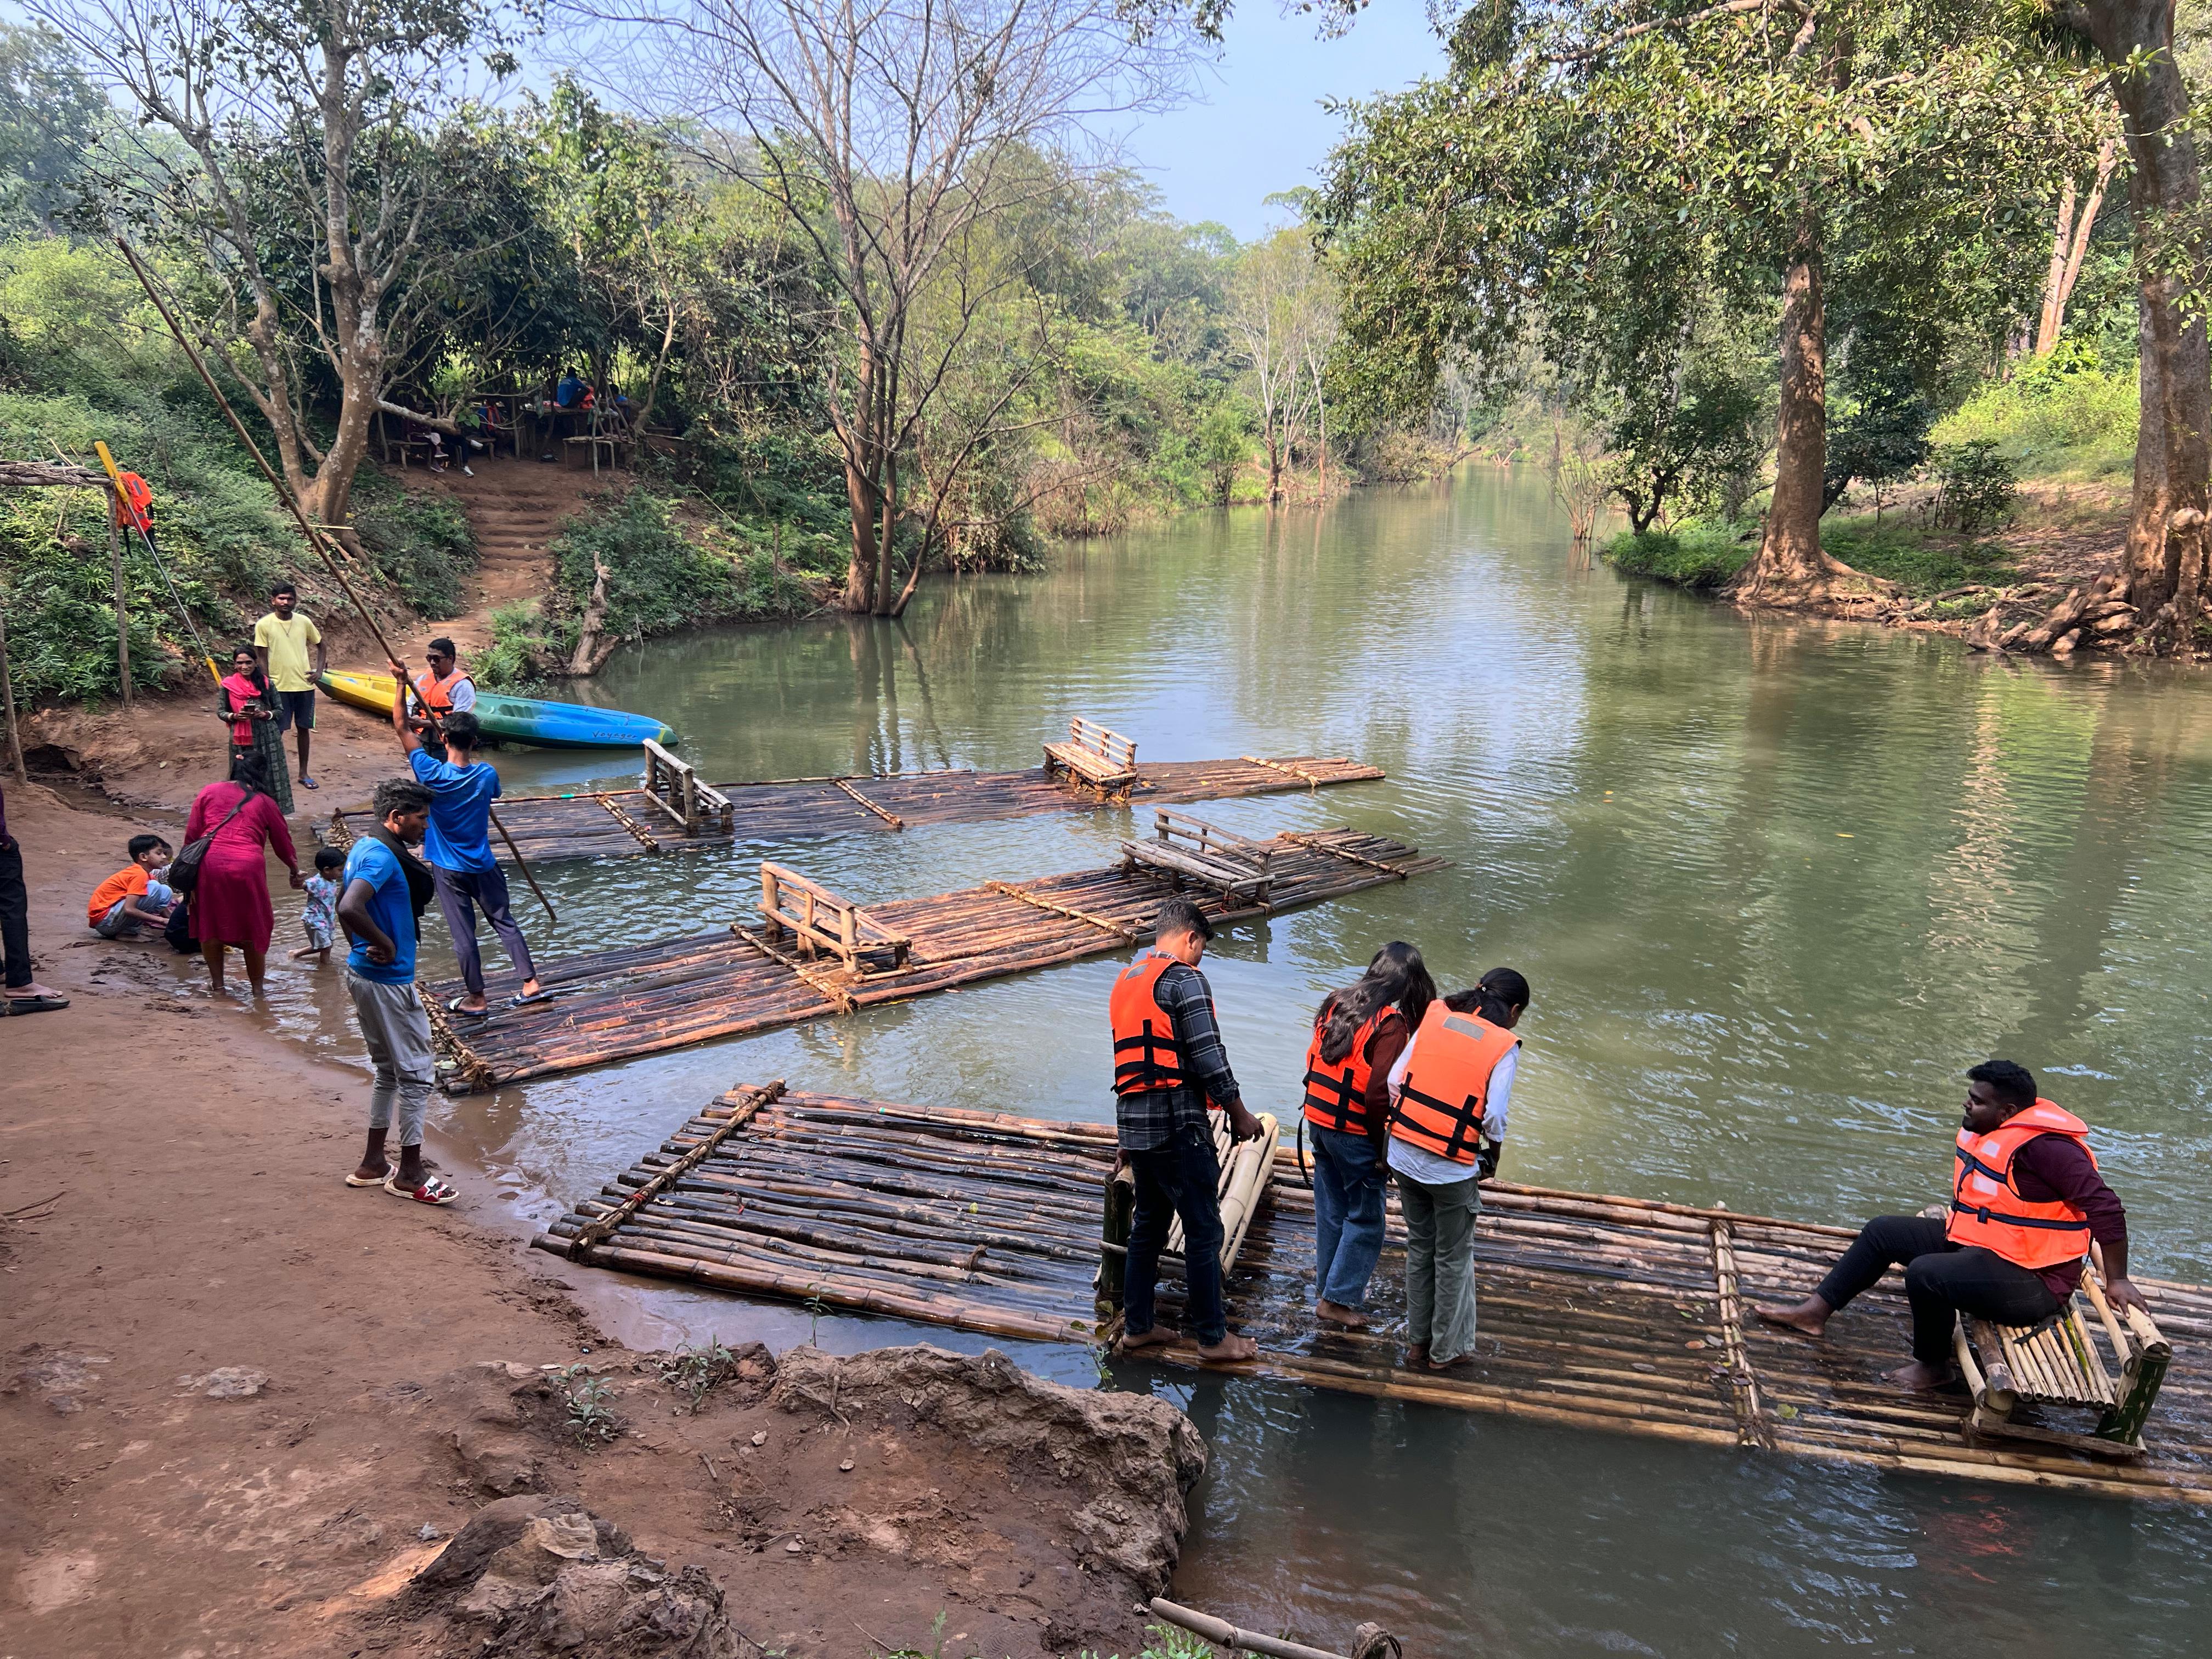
(1775, 885)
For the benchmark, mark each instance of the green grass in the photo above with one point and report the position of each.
(1919, 563)
(2067, 417)
(1692, 554)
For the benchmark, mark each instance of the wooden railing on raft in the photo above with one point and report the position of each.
(1184, 848)
(821, 921)
(674, 786)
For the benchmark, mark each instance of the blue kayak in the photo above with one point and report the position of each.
(532, 720)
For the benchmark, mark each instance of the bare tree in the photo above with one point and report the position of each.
(890, 132)
(1282, 314)
(315, 141)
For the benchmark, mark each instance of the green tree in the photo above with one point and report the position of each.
(50, 116)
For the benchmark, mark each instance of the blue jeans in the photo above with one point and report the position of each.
(1347, 1187)
(119, 924)
(1179, 1179)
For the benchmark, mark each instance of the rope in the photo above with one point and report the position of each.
(1127, 935)
(836, 994)
(1312, 781)
(595, 1232)
(471, 1064)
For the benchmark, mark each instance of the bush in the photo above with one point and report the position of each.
(1975, 487)
(1899, 554)
(2066, 414)
(521, 639)
(419, 541)
(1694, 553)
(667, 574)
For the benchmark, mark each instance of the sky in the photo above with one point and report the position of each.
(1261, 127)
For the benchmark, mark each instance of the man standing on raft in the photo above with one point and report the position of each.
(1168, 1063)
(2025, 1201)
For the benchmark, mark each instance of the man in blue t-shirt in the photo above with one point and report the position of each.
(379, 898)
(462, 789)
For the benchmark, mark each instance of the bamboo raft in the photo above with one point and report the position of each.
(1598, 1312)
(612, 822)
(638, 999)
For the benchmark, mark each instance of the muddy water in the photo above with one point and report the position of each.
(1775, 884)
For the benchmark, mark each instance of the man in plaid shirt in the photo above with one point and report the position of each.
(1168, 1063)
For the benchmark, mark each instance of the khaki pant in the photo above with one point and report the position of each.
(1440, 1265)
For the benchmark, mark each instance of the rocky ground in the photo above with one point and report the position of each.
(243, 1408)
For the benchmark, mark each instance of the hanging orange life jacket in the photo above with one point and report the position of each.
(1986, 1206)
(134, 508)
(1447, 1081)
(1146, 1056)
(1336, 1095)
(437, 695)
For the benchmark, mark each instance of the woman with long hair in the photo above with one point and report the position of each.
(230, 899)
(1358, 1034)
(1450, 1094)
(246, 702)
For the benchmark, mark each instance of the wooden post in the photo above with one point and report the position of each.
(769, 900)
(122, 604)
(8, 698)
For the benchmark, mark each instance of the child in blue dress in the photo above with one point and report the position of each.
(320, 918)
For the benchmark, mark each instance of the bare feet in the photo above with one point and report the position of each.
(1809, 1317)
(1337, 1314)
(1229, 1350)
(1417, 1357)
(1923, 1379)
(1158, 1337)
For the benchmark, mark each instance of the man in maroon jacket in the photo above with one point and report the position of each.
(2025, 1201)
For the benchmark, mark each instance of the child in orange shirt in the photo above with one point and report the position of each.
(132, 899)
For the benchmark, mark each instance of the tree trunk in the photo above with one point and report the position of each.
(862, 499)
(1790, 569)
(1274, 466)
(2061, 239)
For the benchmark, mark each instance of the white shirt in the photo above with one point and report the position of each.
(1430, 1169)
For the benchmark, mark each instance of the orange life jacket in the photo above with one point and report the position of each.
(1336, 1095)
(134, 508)
(1986, 1206)
(1146, 1056)
(437, 695)
(1447, 1081)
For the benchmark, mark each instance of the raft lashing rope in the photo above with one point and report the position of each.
(1598, 1311)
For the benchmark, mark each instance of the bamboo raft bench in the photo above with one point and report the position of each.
(612, 823)
(645, 999)
(1598, 1312)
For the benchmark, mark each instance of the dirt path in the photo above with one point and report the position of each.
(235, 1392)
(513, 506)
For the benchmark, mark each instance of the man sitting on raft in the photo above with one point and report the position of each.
(2026, 1200)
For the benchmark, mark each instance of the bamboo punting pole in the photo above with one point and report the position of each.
(1220, 1630)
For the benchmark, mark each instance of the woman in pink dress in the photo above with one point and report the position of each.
(230, 904)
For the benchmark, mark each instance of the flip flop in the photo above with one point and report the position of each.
(306, 782)
(525, 1002)
(454, 1007)
(372, 1181)
(36, 1005)
(431, 1191)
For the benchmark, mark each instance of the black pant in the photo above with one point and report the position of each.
(1182, 1178)
(1941, 1278)
(15, 916)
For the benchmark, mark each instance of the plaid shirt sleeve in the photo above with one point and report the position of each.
(1189, 1000)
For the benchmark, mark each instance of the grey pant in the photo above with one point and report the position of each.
(397, 1033)
(1440, 1265)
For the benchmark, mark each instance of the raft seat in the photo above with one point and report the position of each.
(1187, 848)
(1105, 760)
(2058, 1364)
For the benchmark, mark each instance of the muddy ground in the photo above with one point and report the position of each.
(241, 1404)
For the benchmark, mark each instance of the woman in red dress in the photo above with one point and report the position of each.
(230, 904)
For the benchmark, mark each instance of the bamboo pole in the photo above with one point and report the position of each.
(1225, 1634)
(313, 532)
(122, 604)
(8, 698)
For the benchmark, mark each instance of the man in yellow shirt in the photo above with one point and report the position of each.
(290, 648)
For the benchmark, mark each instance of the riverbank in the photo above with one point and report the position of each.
(237, 1393)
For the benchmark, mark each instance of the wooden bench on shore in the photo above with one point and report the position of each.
(1105, 760)
(2057, 1364)
(1185, 849)
(673, 787)
(821, 921)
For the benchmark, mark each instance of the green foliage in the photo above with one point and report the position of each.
(1691, 554)
(521, 641)
(2066, 415)
(51, 115)
(1920, 564)
(667, 572)
(1882, 435)
(698, 1371)
(419, 541)
(1975, 486)
(591, 1421)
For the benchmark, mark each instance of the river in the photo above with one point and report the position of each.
(1775, 885)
